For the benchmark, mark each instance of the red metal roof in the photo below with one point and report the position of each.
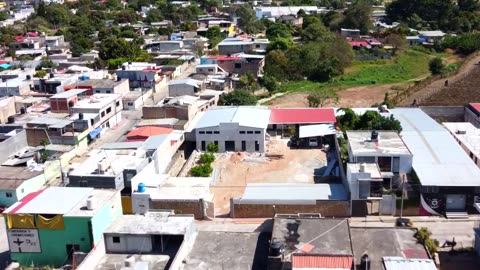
(144, 132)
(302, 116)
(475, 106)
(223, 57)
(24, 201)
(322, 261)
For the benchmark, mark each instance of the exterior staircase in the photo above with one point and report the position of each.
(456, 215)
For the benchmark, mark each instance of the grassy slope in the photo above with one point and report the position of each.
(408, 66)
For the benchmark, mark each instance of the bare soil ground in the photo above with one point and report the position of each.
(361, 96)
(279, 164)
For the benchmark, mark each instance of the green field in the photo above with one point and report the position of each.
(407, 66)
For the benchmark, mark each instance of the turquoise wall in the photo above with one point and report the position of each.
(29, 186)
(53, 242)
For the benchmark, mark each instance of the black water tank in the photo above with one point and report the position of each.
(11, 120)
(276, 248)
(365, 262)
(374, 137)
(80, 116)
(29, 77)
(22, 110)
(71, 104)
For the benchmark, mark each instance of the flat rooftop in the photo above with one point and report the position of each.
(438, 160)
(99, 83)
(388, 143)
(96, 101)
(467, 134)
(228, 250)
(65, 201)
(247, 116)
(68, 94)
(182, 188)
(382, 242)
(292, 193)
(302, 235)
(153, 223)
(371, 168)
(12, 177)
(117, 261)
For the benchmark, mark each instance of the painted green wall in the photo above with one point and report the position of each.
(53, 242)
(29, 186)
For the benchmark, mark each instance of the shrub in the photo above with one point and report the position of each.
(203, 170)
(212, 148)
(423, 234)
(436, 66)
(207, 158)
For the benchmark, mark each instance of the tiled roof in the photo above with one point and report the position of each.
(321, 261)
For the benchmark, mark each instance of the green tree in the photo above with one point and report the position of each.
(4, 15)
(248, 82)
(270, 83)
(207, 158)
(321, 97)
(237, 98)
(358, 17)
(278, 30)
(203, 170)
(282, 44)
(317, 32)
(397, 41)
(58, 15)
(40, 74)
(155, 15)
(247, 19)
(436, 66)
(276, 65)
(212, 148)
(214, 35)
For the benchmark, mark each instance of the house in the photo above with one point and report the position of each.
(19, 86)
(18, 182)
(233, 128)
(265, 200)
(231, 46)
(467, 135)
(46, 227)
(238, 64)
(181, 108)
(290, 19)
(449, 178)
(60, 82)
(135, 99)
(208, 69)
(55, 131)
(184, 87)
(350, 33)
(12, 140)
(103, 86)
(65, 101)
(142, 75)
(295, 243)
(311, 126)
(186, 195)
(167, 239)
(107, 109)
(432, 36)
(472, 114)
(7, 109)
(276, 12)
(143, 133)
(414, 40)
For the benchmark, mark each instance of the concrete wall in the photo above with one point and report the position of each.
(405, 165)
(128, 243)
(12, 145)
(231, 132)
(325, 208)
(232, 49)
(31, 185)
(445, 113)
(192, 207)
(97, 181)
(471, 117)
(175, 90)
(7, 110)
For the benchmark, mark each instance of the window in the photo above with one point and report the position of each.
(116, 239)
(209, 132)
(97, 91)
(22, 190)
(242, 132)
(203, 146)
(109, 110)
(238, 65)
(210, 70)
(257, 46)
(216, 132)
(249, 132)
(109, 92)
(257, 132)
(117, 103)
(103, 114)
(202, 132)
(9, 194)
(130, 103)
(83, 184)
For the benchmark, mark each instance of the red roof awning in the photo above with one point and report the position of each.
(302, 116)
(321, 261)
(143, 133)
(475, 106)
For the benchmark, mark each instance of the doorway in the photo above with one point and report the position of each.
(230, 146)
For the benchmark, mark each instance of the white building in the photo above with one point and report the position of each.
(468, 136)
(233, 128)
(275, 12)
(142, 75)
(106, 107)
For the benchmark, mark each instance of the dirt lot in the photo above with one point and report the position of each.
(362, 96)
(280, 164)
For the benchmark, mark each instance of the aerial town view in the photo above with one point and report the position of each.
(240, 135)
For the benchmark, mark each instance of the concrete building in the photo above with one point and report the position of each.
(472, 114)
(142, 75)
(65, 101)
(231, 46)
(54, 131)
(12, 140)
(19, 86)
(48, 226)
(7, 109)
(467, 135)
(275, 12)
(449, 178)
(107, 108)
(307, 250)
(103, 86)
(238, 64)
(133, 100)
(156, 240)
(233, 128)
(187, 87)
(18, 182)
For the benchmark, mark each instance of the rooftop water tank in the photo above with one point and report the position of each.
(141, 188)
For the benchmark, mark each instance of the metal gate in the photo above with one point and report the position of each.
(455, 202)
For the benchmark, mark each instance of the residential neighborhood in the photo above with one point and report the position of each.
(263, 135)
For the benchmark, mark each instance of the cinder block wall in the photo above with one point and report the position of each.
(180, 207)
(325, 208)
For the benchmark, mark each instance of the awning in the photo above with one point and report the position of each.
(95, 132)
(316, 130)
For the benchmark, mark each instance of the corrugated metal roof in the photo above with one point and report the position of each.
(147, 131)
(292, 193)
(438, 159)
(302, 116)
(316, 130)
(300, 261)
(191, 82)
(399, 263)
(244, 116)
